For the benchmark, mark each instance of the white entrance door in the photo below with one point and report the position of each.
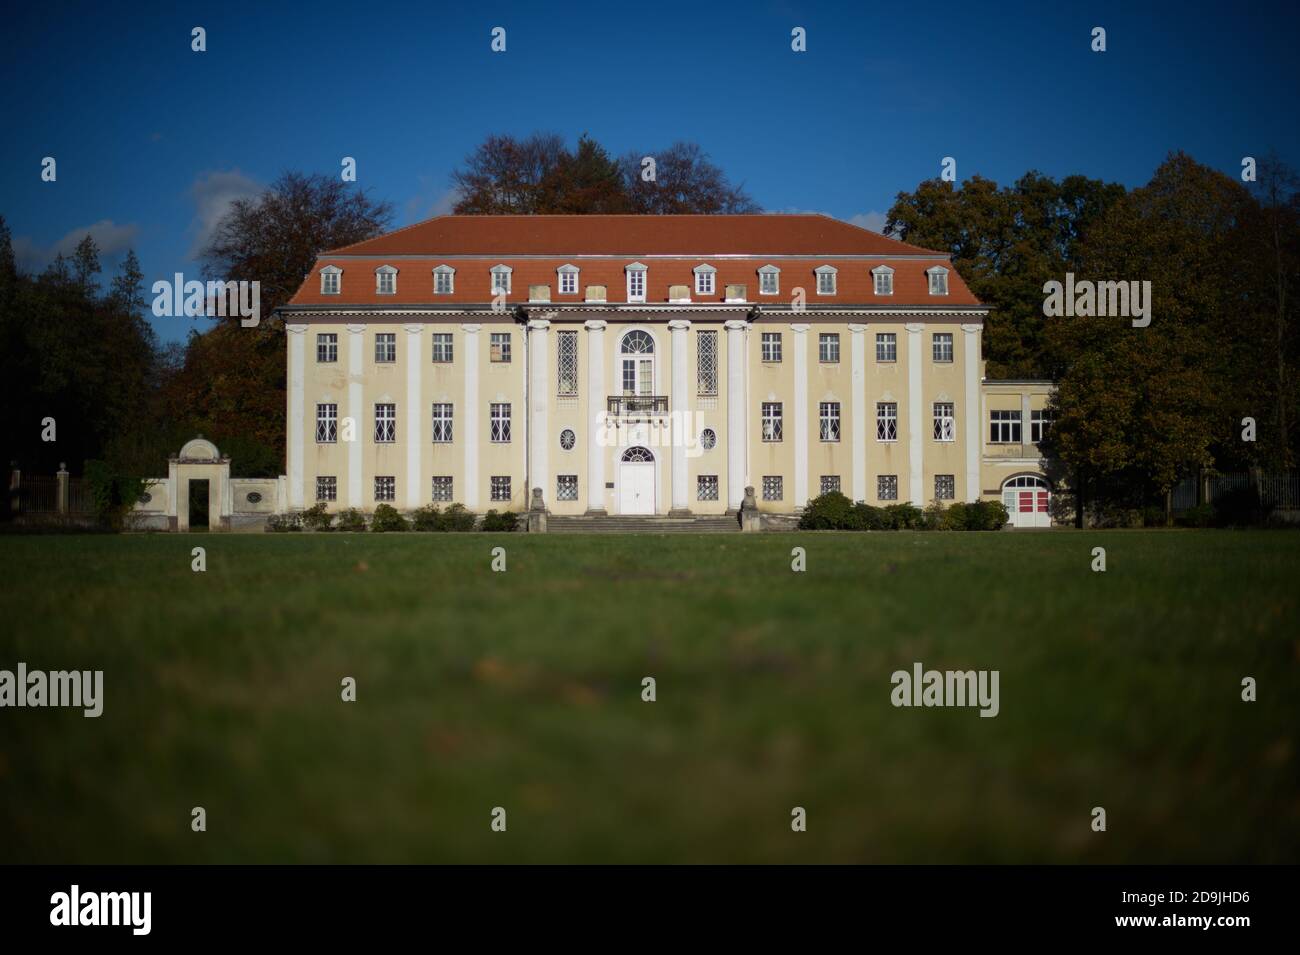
(1028, 500)
(636, 482)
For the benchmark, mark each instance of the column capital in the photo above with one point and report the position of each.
(295, 329)
(856, 328)
(971, 329)
(539, 324)
(914, 328)
(355, 329)
(800, 327)
(413, 329)
(679, 324)
(736, 324)
(471, 327)
(595, 324)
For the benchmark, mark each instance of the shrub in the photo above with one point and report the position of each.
(387, 519)
(113, 493)
(904, 517)
(352, 520)
(506, 521)
(989, 516)
(831, 511)
(1202, 515)
(865, 517)
(427, 518)
(284, 523)
(456, 518)
(316, 518)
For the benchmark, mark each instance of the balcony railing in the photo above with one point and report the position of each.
(622, 406)
(1011, 450)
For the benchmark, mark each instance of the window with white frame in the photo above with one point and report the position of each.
(442, 487)
(773, 487)
(327, 487)
(327, 423)
(826, 279)
(386, 280)
(567, 279)
(327, 347)
(1040, 422)
(706, 487)
(945, 487)
(938, 280)
(886, 421)
(883, 276)
(442, 423)
(499, 347)
(500, 487)
(566, 364)
(386, 347)
(385, 488)
(500, 433)
(331, 278)
(706, 363)
(501, 279)
(1004, 427)
(440, 346)
(444, 280)
(771, 421)
(828, 348)
(636, 282)
(769, 280)
(829, 413)
(886, 346)
(830, 483)
(385, 423)
(771, 346)
(887, 487)
(945, 421)
(941, 347)
(705, 279)
(566, 487)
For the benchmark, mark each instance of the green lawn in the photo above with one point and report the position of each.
(523, 690)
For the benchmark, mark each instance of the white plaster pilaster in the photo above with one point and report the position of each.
(470, 422)
(737, 435)
(679, 413)
(415, 432)
(915, 415)
(596, 411)
(297, 422)
(972, 410)
(859, 410)
(356, 395)
(800, 414)
(539, 390)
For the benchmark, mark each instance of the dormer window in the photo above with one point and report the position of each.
(331, 277)
(705, 280)
(501, 279)
(636, 282)
(568, 280)
(769, 280)
(826, 279)
(386, 280)
(938, 280)
(444, 280)
(884, 277)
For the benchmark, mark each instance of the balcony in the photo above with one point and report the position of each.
(1013, 449)
(637, 406)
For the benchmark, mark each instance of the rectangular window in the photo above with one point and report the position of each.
(385, 488)
(945, 421)
(1040, 422)
(387, 283)
(769, 283)
(828, 348)
(566, 363)
(830, 482)
(887, 487)
(771, 421)
(385, 424)
(500, 281)
(327, 488)
(1004, 427)
(886, 346)
(939, 282)
(636, 285)
(440, 345)
(706, 487)
(830, 420)
(773, 487)
(825, 283)
(566, 487)
(706, 363)
(771, 346)
(442, 282)
(327, 347)
(945, 487)
(442, 423)
(941, 347)
(386, 347)
(329, 283)
(568, 283)
(500, 488)
(886, 421)
(327, 424)
(704, 283)
(500, 423)
(884, 283)
(442, 487)
(500, 346)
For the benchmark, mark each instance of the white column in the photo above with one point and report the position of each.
(972, 411)
(916, 415)
(596, 411)
(737, 435)
(356, 394)
(859, 410)
(296, 424)
(800, 415)
(680, 414)
(539, 389)
(469, 426)
(416, 434)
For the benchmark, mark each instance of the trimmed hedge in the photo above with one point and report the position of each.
(834, 511)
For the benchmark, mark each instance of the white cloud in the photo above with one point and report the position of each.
(425, 204)
(212, 194)
(112, 238)
(875, 221)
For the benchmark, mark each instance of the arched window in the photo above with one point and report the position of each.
(638, 348)
(638, 456)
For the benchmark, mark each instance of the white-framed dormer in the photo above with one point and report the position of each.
(706, 279)
(827, 279)
(501, 279)
(331, 280)
(769, 280)
(566, 280)
(636, 282)
(444, 280)
(385, 280)
(938, 280)
(882, 280)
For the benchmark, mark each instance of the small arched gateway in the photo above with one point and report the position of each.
(199, 492)
(1028, 499)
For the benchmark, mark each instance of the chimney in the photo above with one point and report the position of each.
(539, 293)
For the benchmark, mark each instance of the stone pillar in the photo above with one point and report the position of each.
(596, 411)
(355, 412)
(858, 409)
(416, 434)
(972, 412)
(680, 416)
(470, 426)
(297, 421)
(62, 476)
(916, 415)
(539, 390)
(737, 418)
(800, 415)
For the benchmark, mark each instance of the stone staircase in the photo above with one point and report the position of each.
(648, 524)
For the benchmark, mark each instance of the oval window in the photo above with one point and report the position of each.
(253, 498)
(146, 497)
(708, 439)
(568, 439)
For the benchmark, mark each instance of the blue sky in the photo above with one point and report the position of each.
(152, 139)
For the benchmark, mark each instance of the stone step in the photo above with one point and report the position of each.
(625, 524)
